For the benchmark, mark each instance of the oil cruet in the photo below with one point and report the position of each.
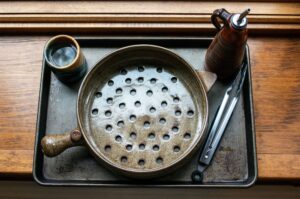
(226, 52)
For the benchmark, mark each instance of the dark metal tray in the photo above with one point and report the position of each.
(234, 164)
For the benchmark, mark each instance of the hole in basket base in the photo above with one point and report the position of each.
(152, 110)
(176, 149)
(132, 135)
(159, 160)
(128, 147)
(137, 103)
(175, 129)
(162, 120)
(122, 105)
(132, 92)
(177, 112)
(98, 94)
(119, 91)
(107, 113)
(153, 81)
(146, 124)
(109, 100)
(176, 99)
(107, 148)
(132, 118)
(187, 136)
(123, 72)
(164, 104)
(141, 69)
(142, 146)
(159, 70)
(108, 127)
(190, 113)
(124, 159)
(164, 89)
(120, 123)
(166, 137)
(95, 111)
(140, 80)
(149, 93)
(174, 79)
(128, 80)
(118, 138)
(151, 135)
(155, 148)
(110, 83)
(141, 162)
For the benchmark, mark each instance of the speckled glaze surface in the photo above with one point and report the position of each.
(138, 112)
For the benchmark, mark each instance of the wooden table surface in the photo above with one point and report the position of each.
(276, 91)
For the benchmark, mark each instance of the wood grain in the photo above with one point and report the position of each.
(138, 7)
(138, 18)
(278, 166)
(276, 88)
(140, 28)
(276, 85)
(141, 17)
(16, 162)
(20, 75)
(20, 67)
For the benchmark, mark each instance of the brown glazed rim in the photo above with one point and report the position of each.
(72, 64)
(188, 152)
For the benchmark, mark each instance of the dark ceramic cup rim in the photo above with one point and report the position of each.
(55, 39)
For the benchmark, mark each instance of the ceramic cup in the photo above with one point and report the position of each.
(65, 58)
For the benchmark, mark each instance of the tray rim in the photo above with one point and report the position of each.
(45, 91)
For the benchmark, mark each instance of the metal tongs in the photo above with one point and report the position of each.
(219, 124)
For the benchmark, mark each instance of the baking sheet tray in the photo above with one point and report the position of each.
(234, 164)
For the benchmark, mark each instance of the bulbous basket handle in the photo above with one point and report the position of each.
(54, 144)
(223, 14)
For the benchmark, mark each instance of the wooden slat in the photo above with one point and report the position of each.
(152, 7)
(141, 17)
(130, 18)
(158, 16)
(139, 28)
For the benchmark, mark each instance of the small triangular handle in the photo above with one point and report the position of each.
(208, 79)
